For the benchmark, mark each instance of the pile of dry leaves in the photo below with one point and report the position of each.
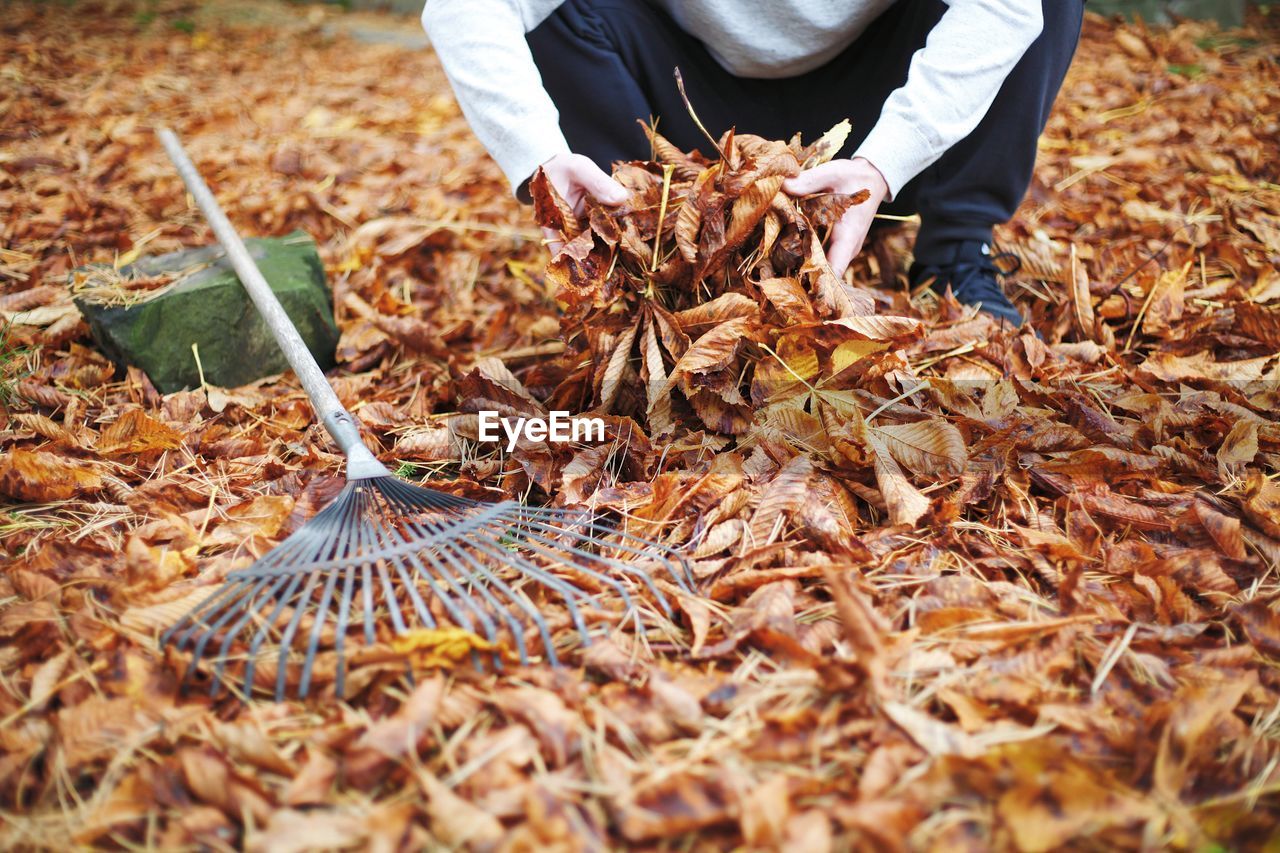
(967, 587)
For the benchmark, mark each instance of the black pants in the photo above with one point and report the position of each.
(607, 63)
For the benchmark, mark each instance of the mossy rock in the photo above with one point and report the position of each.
(209, 307)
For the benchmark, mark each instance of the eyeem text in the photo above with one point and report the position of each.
(556, 427)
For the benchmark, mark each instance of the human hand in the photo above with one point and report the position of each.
(575, 177)
(847, 177)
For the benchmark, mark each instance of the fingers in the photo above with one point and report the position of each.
(600, 186)
(847, 238)
(551, 239)
(575, 177)
(844, 247)
(582, 178)
(815, 180)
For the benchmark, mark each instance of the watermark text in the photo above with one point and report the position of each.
(556, 427)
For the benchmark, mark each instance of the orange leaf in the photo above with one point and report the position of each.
(137, 432)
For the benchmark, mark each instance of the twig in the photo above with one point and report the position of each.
(688, 106)
(667, 169)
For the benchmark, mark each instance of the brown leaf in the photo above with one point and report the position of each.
(1260, 322)
(1223, 529)
(1166, 303)
(790, 299)
(245, 740)
(45, 681)
(746, 213)
(1175, 368)
(833, 295)
(827, 145)
(550, 210)
(37, 476)
(782, 496)
(673, 806)
(313, 783)
(766, 809)
(771, 607)
(389, 738)
(292, 831)
(654, 374)
(1054, 800)
(905, 503)
(726, 306)
(714, 349)
(689, 216)
(1261, 625)
(864, 628)
(929, 447)
(617, 366)
(1262, 503)
(456, 821)
(1238, 448)
(1081, 300)
(137, 432)
(1195, 712)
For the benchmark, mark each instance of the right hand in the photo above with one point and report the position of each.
(575, 177)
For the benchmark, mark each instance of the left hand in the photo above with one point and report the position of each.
(847, 177)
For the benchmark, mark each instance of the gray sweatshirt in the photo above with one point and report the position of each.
(951, 83)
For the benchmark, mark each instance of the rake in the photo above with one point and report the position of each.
(405, 558)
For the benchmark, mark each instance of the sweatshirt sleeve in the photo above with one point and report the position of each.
(950, 85)
(482, 47)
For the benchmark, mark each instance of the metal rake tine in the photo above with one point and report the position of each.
(317, 535)
(234, 631)
(445, 548)
(451, 552)
(313, 642)
(611, 583)
(600, 558)
(459, 616)
(557, 555)
(366, 587)
(388, 536)
(424, 497)
(342, 543)
(644, 548)
(340, 632)
(501, 611)
(261, 568)
(230, 593)
(265, 627)
(366, 596)
(389, 597)
(286, 640)
(193, 619)
(389, 533)
(233, 592)
(568, 593)
(381, 537)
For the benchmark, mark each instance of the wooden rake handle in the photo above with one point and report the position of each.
(361, 463)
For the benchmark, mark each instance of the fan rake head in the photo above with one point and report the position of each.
(403, 557)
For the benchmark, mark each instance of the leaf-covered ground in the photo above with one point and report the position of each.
(967, 588)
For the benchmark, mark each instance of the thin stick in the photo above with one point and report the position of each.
(667, 169)
(688, 106)
(898, 399)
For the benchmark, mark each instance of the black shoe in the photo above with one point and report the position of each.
(971, 274)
